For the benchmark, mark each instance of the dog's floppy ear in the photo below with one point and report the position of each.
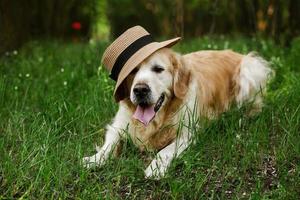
(123, 91)
(181, 76)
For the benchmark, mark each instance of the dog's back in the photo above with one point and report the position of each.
(226, 77)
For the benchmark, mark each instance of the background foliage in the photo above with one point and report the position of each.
(276, 18)
(55, 101)
(24, 20)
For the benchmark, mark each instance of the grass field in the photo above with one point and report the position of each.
(55, 101)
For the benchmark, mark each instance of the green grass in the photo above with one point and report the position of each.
(55, 101)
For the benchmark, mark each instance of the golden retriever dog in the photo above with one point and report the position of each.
(167, 86)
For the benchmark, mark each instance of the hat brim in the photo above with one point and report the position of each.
(135, 60)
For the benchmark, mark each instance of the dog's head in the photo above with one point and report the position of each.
(155, 82)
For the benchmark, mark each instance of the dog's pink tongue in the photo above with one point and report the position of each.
(144, 115)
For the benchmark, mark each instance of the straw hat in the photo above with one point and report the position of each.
(127, 52)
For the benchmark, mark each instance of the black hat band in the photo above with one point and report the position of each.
(127, 53)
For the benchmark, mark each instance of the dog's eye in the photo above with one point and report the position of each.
(157, 69)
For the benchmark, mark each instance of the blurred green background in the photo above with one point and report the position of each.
(55, 101)
(24, 20)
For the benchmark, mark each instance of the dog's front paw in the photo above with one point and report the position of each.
(93, 161)
(156, 169)
(89, 162)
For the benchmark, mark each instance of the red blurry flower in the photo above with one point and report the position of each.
(76, 26)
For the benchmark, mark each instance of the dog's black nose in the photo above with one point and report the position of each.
(141, 90)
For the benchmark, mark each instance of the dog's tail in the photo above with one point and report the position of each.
(254, 74)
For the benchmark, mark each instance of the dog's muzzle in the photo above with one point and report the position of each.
(142, 94)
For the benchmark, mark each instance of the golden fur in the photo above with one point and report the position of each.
(216, 73)
(207, 82)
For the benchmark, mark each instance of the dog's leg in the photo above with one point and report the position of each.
(112, 138)
(160, 164)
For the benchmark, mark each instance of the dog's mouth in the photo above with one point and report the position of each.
(146, 113)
